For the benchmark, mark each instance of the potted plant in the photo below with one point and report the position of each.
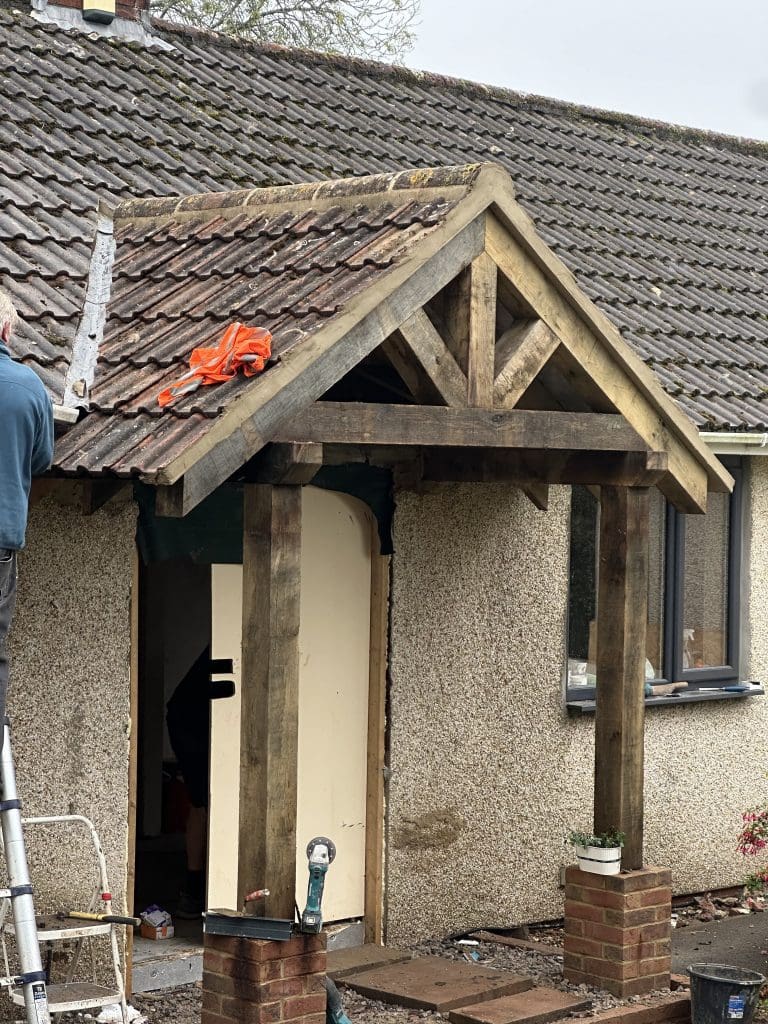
(599, 852)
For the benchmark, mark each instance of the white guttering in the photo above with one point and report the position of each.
(737, 443)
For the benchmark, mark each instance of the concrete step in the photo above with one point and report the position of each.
(342, 962)
(165, 963)
(536, 1006)
(434, 983)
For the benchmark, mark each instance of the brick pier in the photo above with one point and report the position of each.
(251, 981)
(618, 931)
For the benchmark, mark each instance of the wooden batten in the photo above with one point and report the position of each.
(377, 699)
(270, 694)
(621, 634)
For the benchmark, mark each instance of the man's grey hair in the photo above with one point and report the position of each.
(8, 314)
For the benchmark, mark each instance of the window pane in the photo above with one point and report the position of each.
(582, 587)
(582, 591)
(705, 586)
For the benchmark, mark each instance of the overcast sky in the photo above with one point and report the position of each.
(695, 62)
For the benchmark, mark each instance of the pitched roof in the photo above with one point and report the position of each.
(662, 227)
(293, 257)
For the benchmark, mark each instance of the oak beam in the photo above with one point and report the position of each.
(622, 616)
(521, 353)
(525, 468)
(433, 355)
(482, 332)
(286, 464)
(269, 726)
(435, 426)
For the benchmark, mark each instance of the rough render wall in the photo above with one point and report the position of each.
(489, 772)
(70, 693)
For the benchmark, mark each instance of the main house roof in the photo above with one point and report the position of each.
(663, 228)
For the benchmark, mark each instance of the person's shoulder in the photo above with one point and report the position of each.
(20, 373)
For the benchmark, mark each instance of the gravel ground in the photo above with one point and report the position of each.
(182, 1005)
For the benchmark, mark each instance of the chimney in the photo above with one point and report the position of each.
(127, 19)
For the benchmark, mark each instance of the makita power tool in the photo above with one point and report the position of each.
(320, 853)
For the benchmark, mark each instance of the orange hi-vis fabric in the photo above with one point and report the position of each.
(241, 348)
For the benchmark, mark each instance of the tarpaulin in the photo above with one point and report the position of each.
(241, 348)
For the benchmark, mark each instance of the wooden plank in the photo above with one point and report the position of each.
(308, 371)
(482, 331)
(622, 615)
(377, 697)
(372, 423)
(521, 352)
(620, 375)
(433, 355)
(269, 728)
(133, 760)
(526, 468)
(285, 464)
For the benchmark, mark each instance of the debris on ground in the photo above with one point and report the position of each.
(716, 908)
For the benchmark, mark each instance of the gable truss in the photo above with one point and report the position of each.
(482, 321)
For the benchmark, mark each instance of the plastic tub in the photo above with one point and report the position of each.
(722, 994)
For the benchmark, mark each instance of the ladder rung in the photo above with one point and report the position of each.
(76, 995)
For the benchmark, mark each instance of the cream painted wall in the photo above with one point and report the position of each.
(333, 704)
(488, 770)
(223, 813)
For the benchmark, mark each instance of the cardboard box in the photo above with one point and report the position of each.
(151, 931)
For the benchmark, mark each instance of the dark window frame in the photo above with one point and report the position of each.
(673, 582)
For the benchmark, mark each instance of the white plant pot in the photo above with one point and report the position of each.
(599, 860)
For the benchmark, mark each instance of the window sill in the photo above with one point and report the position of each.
(587, 707)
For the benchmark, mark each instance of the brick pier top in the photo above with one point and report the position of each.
(618, 929)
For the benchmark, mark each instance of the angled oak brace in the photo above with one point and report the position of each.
(428, 348)
(521, 352)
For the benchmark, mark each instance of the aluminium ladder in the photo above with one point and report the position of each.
(30, 988)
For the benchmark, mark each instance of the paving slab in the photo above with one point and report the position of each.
(434, 983)
(537, 1006)
(356, 959)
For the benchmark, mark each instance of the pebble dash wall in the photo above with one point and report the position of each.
(488, 770)
(70, 693)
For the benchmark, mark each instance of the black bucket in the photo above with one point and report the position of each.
(722, 995)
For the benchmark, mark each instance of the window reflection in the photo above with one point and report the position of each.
(705, 590)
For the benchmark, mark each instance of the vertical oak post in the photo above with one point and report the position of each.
(269, 728)
(622, 615)
(482, 332)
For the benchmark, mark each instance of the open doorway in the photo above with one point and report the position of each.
(190, 604)
(174, 640)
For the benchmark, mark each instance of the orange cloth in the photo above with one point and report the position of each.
(241, 348)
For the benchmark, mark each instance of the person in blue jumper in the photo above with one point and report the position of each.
(26, 450)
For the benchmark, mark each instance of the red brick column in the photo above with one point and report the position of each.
(618, 930)
(251, 981)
